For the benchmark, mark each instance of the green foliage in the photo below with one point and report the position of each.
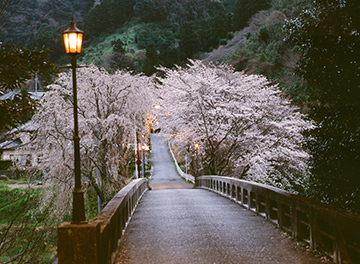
(98, 50)
(108, 16)
(23, 18)
(215, 28)
(49, 37)
(17, 111)
(328, 35)
(189, 41)
(118, 46)
(120, 61)
(91, 203)
(164, 24)
(245, 9)
(5, 164)
(151, 60)
(27, 232)
(18, 65)
(154, 33)
(290, 8)
(264, 52)
(150, 10)
(155, 22)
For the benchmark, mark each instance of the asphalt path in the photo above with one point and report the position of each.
(177, 224)
(164, 174)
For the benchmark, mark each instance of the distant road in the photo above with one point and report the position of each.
(164, 175)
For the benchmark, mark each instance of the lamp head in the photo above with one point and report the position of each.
(73, 39)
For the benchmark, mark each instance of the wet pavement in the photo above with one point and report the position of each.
(177, 224)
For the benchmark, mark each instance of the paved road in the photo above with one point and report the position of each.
(175, 224)
(164, 172)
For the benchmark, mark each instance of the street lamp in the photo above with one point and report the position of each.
(143, 161)
(196, 145)
(73, 43)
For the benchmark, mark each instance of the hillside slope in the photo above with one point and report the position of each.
(260, 48)
(141, 34)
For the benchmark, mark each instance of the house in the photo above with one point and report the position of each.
(12, 141)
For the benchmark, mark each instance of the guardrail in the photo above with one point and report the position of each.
(326, 229)
(182, 174)
(98, 241)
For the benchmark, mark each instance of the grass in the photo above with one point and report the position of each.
(95, 53)
(23, 226)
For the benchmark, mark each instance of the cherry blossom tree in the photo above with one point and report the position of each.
(111, 108)
(244, 127)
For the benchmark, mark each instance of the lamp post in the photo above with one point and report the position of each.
(143, 161)
(196, 145)
(137, 156)
(73, 43)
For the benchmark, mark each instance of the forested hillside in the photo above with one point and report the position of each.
(39, 23)
(140, 34)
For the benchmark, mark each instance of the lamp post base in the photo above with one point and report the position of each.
(78, 207)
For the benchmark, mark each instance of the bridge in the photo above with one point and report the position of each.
(222, 220)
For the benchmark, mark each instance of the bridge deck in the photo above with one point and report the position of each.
(176, 224)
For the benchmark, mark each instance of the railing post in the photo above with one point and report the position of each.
(341, 254)
(279, 212)
(79, 243)
(312, 231)
(267, 207)
(257, 203)
(237, 192)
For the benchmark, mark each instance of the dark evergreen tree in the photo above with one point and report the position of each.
(329, 38)
(151, 60)
(169, 54)
(149, 11)
(120, 61)
(245, 9)
(16, 111)
(118, 46)
(108, 16)
(189, 42)
(19, 64)
(216, 28)
(49, 37)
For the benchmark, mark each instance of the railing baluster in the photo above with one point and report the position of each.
(323, 227)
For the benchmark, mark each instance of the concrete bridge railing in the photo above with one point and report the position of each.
(182, 174)
(326, 229)
(98, 241)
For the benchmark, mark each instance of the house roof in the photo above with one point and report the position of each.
(10, 95)
(11, 140)
(10, 144)
(27, 127)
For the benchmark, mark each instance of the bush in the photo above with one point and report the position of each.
(5, 164)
